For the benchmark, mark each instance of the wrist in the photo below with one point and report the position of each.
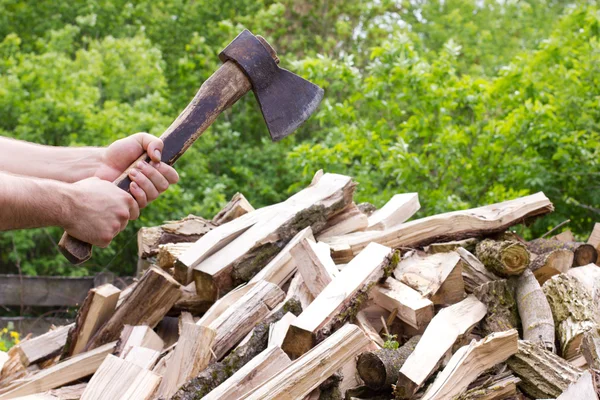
(64, 203)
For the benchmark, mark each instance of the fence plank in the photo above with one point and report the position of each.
(33, 325)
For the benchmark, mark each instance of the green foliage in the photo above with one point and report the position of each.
(391, 342)
(9, 337)
(466, 102)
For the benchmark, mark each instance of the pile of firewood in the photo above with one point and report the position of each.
(319, 298)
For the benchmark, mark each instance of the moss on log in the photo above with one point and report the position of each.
(499, 298)
(504, 258)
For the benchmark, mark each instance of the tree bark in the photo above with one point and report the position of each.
(499, 298)
(584, 253)
(504, 258)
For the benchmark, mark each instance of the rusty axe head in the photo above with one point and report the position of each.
(285, 99)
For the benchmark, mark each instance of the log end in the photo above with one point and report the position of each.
(297, 342)
(585, 254)
(372, 370)
(206, 287)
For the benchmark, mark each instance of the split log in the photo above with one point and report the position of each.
(543, 374)
(71, 392)
(43, 347)
(441, 334)
(535, 312)
(119, 379)
(219, 372)
(259, 370)
(142, 357)
(584, 253)
(396, 211)
(505, 258)
(299, 290)
(278, 330)
(584, 388)
(455, 225)
(437, 277)
(470, 361)
(566, 236)
(152, 298)
(138, 336)
(474, 273)
(221, 305)
(70, 370)
(281, 269)
(308, 372)
(168, 253)
(192, 355)
(339, 301)
(190, 301)
(243, 315)
(188, 229)
(589, 277)
(545, 266)
(411, 306)
(590, 347)
(379, 369)
(96, 309)
(594, 238)
(572, 309)
(362, 321)
(351, 219)
(454, 245)
(12, 369)
(237, 206)
(314, 264)
(499, 299)
(497, 389)
(246, 255)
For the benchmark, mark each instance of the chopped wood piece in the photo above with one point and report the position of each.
(566, 236)
(119, 379)
(239, 319)
(584, 253)
(584, 388)
(474, 272)
(535, 312)
(499, 299)
(142, 357)
(72, 369)
(470, 361)
(218, 372)
(505, 258)
(190, 302)
(455, 225)
(396, 211)
(590, 347)
(543, 374)
(237, 206)
(413, 308)
(43, 347)
(71, 392)
(278, 330)
(573, 311)
(308, 372)
(443, 331)
(379, 369)
(192, 355)
(188, 229)
(594, 238)
(96, 309)
(314, 264)
(351, 219)
(339, 301)
(299, 290)
(4, 357)
(221, 305)
(12, 369)
(138, 336)
(545, 266)
(446, 247)
(259, 370)
(362, 321)
(168, 253)
(246, 255)
(152, 298)
(497, 389)
(283, 266)
(437, 277)
(589, 276)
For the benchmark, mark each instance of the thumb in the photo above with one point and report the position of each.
(151, 144)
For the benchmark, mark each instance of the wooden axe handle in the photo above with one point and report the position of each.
(226, 86)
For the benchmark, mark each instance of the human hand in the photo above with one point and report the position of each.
(97, 211)
(148, 179)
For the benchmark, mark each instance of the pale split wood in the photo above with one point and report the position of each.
(411, 306)
(259, 370)
(4, 357)
(97, 308)
(474, 272)
(545, 266)
(314, 264)
(565, 236)
(168, 253)
(118, 379)
(362, 321)
(590, 347)
(69, 370)
(351, 219)
(278, 330)
(498, 389)
(142, 357)
(138, 336)
(281, 268)
(309, 371)
(583, 389)
(589, 276)
(443, 331)
(223, 304)
(470, 361)
(594, 238)
(299, 290)
(455, 225)
(345, 295)
(237, 206)
(44, 346)
(396, 211)
(192, 354)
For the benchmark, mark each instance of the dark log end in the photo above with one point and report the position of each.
(372, 370)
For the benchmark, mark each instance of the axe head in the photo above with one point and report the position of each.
(285, 99)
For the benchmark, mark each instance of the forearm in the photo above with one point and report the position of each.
(32, 202)
(67, 164)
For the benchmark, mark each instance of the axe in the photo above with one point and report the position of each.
(249, 62)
